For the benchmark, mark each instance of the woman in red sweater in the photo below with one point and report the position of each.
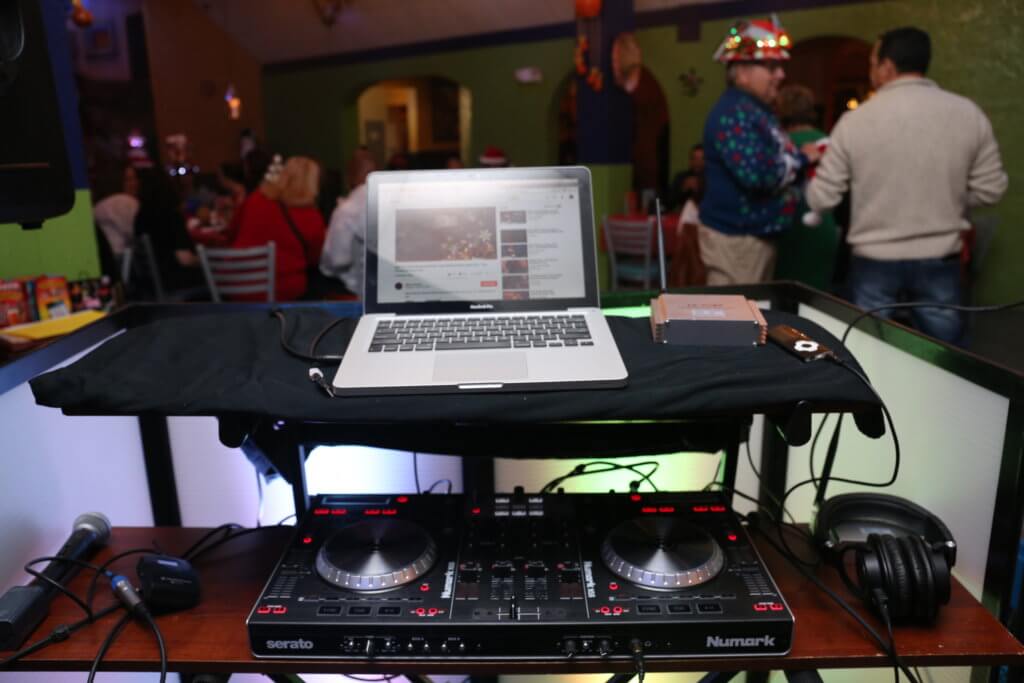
(287, 192)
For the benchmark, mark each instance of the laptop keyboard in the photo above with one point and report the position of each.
(471, 332)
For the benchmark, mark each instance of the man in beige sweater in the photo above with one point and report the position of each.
(915, 158)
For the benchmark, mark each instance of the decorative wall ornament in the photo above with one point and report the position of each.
(691, 81)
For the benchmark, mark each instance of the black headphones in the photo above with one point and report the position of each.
(903, 553)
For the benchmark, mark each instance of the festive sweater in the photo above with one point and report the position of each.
(749, 170)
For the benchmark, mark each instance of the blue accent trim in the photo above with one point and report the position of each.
(54, 17)
(687, 17)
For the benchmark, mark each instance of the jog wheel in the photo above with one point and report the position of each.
(376, 555)
(663, 553)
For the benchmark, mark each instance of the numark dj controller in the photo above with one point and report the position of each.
(519, 576)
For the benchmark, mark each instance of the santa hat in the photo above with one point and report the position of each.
(493, 156)
(751, 41)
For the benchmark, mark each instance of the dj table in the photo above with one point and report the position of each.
(286, 414)
(212, 638)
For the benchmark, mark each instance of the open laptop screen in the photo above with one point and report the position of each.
(479, 240)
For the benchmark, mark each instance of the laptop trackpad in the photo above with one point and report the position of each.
(480, 366)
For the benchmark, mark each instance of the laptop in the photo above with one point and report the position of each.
(480, 280)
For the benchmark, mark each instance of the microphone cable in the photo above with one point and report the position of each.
(134, 607)
(60, 587)
(59, 634)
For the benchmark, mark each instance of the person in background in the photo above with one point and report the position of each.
(688, 185)
(399, 161)
(283, 210)
(344, 249)
(254, 167)
(361, 154)
(115, 215)
(915, 158)
(493, 157)
(751, 167)
(806, 253)
(161, 218)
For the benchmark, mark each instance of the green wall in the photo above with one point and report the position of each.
(313, 111)
(978, 52)
(65, 245)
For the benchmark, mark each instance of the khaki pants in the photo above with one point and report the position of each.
(736, 259)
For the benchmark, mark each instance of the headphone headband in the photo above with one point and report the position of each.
(849, 518)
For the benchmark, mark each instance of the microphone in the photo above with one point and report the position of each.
(23, 607)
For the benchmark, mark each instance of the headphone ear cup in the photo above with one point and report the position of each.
(922, 593)
(940, 572)
(897, 586)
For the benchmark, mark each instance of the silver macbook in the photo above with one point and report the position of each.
(480, 280)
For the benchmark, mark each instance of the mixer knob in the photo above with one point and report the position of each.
(604, 647)
(569, 648)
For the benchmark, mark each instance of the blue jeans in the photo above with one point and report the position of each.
(877, 283)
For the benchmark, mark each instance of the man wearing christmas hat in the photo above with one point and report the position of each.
(751, 167)
(915, 158)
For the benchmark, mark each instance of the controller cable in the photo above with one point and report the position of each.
(316, 375)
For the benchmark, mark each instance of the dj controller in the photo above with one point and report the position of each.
(518, 576)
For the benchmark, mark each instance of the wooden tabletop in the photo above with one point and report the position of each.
(212, 637)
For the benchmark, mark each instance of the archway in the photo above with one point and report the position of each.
(836, 69)
(650, 134)
(419, 122)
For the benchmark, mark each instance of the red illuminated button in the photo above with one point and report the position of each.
(613, 586)
(760, 607)
(402, 499)
(666, 508)
(263, 610)
(389, 511)
(648, 509)
(371, 511)
(636, 497)
(280, 609)
(475, 511)
(339, 511)
(616, 610)
(321, 511)
(424, 587)
(432, 612)
(420, 611)
(775, 607)
(606, 610)
(307, 540)
(718, 508)
(732, 537)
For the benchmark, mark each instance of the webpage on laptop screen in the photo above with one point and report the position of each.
(479, 241)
